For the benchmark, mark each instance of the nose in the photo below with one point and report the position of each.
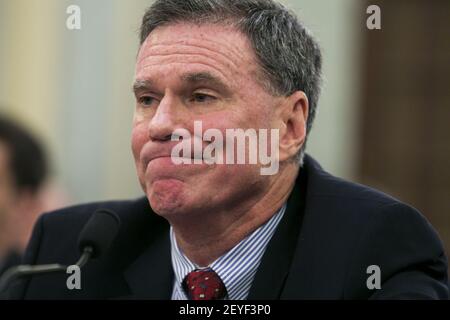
(166, 120)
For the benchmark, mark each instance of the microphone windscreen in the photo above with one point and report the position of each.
(99, 232)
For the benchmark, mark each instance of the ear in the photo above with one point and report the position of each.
(294, 117)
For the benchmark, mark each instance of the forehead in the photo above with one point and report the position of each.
(221, 49)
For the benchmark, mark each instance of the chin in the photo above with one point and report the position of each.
(167, 197)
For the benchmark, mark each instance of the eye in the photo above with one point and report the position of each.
(146, 101)
(202, 98)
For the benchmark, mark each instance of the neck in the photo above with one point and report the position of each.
(205, 237)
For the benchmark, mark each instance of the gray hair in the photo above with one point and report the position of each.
(289, 56)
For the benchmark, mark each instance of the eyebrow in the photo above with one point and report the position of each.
(204, 77)
(139, 85)
(195, 78)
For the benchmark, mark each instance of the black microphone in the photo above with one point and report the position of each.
(94, 240)
(99, 233)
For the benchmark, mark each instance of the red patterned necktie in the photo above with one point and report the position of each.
(204, 285)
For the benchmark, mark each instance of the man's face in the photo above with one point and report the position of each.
(8, 192)
(188, 73)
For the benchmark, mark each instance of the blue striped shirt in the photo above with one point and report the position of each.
(237, 268)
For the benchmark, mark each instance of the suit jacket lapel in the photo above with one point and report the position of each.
(151, 274)
(274, 268)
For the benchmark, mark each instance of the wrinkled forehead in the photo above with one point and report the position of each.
(221, 46)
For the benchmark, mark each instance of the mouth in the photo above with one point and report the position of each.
(177, 160)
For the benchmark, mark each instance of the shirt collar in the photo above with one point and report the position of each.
(236, 268)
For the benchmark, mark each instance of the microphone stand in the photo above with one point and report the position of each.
(28, 270)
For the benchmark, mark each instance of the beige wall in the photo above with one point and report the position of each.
(28, 66)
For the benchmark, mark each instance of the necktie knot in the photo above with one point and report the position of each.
(204, 284)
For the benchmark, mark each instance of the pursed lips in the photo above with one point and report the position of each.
(146, 159)
(152, 152)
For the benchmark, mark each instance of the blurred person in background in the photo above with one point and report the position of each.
(24, 191)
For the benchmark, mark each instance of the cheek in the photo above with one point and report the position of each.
(222, 121)
(7, 204)
(139, 138)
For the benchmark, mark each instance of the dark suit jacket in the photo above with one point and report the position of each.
(11, 259)
(331, 233)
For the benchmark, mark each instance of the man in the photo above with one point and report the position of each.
(23, 172)
(223, 231)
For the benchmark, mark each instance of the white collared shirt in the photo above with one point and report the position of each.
(236, 268)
